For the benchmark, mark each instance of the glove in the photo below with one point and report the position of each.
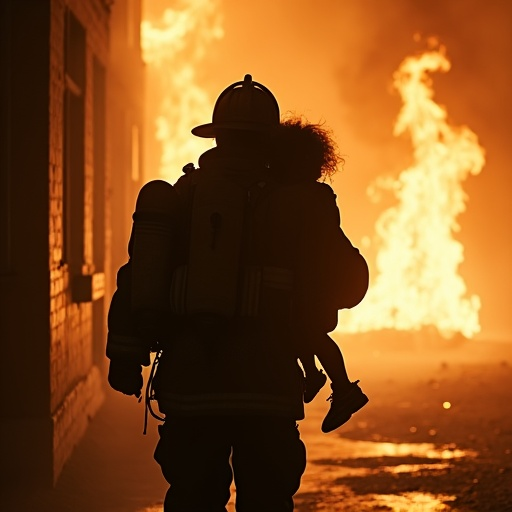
(126, 377)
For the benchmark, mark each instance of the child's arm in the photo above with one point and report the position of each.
(333, 275)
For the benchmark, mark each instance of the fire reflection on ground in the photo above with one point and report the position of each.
(327, 484)
(356, 449)
(415, 502)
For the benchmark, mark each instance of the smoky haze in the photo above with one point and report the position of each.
(333, 61)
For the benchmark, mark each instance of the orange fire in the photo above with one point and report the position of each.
(416, 282)
(173, 48)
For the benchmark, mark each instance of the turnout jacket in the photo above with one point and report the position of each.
(249, 366)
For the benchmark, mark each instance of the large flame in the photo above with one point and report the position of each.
(417, 283)
(174, 48)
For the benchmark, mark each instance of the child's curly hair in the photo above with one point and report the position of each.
(305, 151)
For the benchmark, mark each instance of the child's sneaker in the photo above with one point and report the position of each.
(342, 407)
(314, 383)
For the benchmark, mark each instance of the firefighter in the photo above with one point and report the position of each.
(229, 240)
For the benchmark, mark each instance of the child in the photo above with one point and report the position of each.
(304, 152)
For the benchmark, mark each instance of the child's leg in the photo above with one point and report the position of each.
(347, 397)
(331, 359)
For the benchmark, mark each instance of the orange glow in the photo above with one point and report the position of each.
(330, 464)
(417, 283)
(174, 47)
(415, 279)
(416, 502)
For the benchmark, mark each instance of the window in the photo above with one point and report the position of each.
(131, 23)
(74, 143)
(99, 155)
(5, 167)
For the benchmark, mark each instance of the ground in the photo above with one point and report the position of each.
(435, 436)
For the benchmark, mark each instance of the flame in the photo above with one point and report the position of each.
(173, 48)
(416, 283)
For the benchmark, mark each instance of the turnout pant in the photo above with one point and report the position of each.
(199, 456)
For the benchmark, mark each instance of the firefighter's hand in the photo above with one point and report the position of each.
(126, 377)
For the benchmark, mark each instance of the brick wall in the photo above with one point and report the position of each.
(75, 385)
(53, 301)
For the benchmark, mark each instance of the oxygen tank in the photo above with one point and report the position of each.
(152, 261)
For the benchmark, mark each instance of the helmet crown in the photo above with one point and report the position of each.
(245, 105)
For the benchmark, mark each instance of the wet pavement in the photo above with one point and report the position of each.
(337, 466)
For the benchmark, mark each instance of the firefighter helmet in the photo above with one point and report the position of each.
(244, 105)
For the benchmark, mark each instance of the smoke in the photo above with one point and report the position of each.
(334, 61)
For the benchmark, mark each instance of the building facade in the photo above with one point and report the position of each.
(70, 167)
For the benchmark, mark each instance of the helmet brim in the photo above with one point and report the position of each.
(206, 131)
